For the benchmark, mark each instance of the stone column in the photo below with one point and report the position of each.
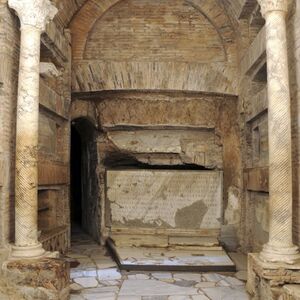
(33, 15)
(280, 247)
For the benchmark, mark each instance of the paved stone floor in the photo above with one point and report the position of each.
(97, 277)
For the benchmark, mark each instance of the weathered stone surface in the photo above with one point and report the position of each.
(47, 277)
(266, 279)
(167, 199)
(191, 147)
(51, 174)
(257, 179)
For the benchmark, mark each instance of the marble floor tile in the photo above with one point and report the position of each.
(188, 276)
(179, 298)
(205, 284)
(86, 282)
(110, 282)
(155, 298)
(234, 281)
(225, 293)
(213, 277)
(129, 298)
(138, 276)
(109, 274)
(199, 297)
(107, 296)
(153, 287)
(162, 275)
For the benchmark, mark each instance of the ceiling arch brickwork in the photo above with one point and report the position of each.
(201, 55)
(67, 9)
(91, 11)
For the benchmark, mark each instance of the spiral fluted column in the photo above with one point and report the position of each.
(33, 15)
(280, 247)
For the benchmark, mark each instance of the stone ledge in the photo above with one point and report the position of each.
(46, 278)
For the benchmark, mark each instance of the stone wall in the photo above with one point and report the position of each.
(169, 130)
(9, 53)
(54, 139)
(254, 131)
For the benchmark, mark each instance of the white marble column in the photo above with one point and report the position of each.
(33, 15)
(280, 247)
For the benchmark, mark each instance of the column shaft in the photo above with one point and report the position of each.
(34, 15)
(280, 246)
(27, 138)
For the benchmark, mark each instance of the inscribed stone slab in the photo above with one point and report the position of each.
(165, 198)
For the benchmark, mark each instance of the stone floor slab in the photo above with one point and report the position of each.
(86, 282)
(109, 274)
(225, 293)
(153, 287)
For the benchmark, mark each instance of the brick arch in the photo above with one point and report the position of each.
(84, 110)
(85, 19)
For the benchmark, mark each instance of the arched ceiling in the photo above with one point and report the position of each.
(93, 71)
(69, 8)
(91, 11)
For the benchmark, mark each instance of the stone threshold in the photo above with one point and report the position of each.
(164, 259)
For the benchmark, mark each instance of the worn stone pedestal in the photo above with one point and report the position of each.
(46, 278)
(271, 281)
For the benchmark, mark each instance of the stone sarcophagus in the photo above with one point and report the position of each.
(165, 200)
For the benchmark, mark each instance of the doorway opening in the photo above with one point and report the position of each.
(84, 212)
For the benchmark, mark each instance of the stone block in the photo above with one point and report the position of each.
(46, 278)
(267, 280)
(50, 174)
(257, 179)
(165, 198)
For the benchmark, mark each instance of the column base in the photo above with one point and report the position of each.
(45, 278)
(28, 252)
(271, 254)
(268, 280)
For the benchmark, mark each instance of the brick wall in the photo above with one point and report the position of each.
(9, 57)
(164, 45)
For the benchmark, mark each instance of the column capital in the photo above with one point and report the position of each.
(273, 5)
(36, 13)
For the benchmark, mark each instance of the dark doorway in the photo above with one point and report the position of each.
(76, 184)
(84, 204)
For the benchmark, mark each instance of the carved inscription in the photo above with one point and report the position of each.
(166, 199)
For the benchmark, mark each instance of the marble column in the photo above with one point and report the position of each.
(33, 15)
(280, 247)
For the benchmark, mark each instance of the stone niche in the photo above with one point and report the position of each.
(167, 134)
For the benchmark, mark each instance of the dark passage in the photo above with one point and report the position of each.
(76, 184)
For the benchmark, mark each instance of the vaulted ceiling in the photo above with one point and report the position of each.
(68, 9)
(204, 53)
